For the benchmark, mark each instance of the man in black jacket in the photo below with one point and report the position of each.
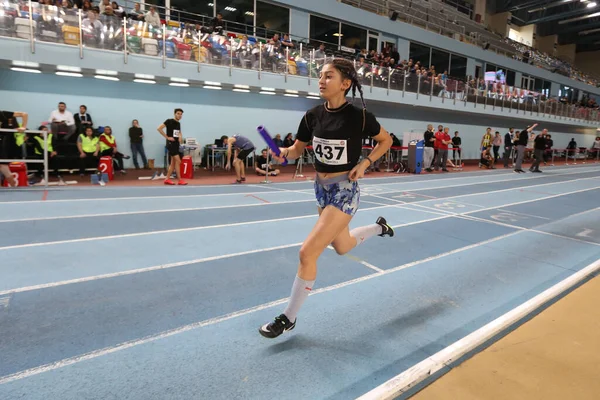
(539, 146)
(508, 145)
(521, 144)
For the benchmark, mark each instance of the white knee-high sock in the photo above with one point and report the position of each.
(362, 233)
(300, 291)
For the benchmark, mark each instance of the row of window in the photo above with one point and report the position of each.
(272, 18)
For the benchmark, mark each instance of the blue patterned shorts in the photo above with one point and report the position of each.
(339, 192)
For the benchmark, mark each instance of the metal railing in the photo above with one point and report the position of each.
(44, 159)
(174, 42)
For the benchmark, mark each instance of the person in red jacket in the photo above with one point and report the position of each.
(442, 139)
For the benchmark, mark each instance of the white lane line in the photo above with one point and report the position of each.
(526, 215)
(365, 180)
(153, 211)
(196, 228)
(152, 338)
(183, 263)
(358, 260)
(446, 357)
(527, 178)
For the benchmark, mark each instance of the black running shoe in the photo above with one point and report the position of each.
(386, 229)
(277, 327)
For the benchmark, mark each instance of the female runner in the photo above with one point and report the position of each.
(336, 129)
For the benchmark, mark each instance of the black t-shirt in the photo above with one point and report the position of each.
(173, 129)
(427, 136)
(523, 138)
(549, 143)
(337, 135)
(456, 142)
(261, 162)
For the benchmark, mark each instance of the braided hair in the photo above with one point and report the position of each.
(347, 70)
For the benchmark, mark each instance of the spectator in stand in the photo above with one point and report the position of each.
(217, 24)
(456, 143)
(108, 147)
(539, 146)
(508, 145)
(152, 17)
(497, 142)
(83, 119)
(89, 149)
(287, 42)
(136, 139)
(62, 121)
(136, 14)
(261, 165)
(521, 143)
(288, 141)
(117, 9)
(103, 4)
(429, 140)
(549, 143)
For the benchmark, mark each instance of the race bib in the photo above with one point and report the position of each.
(176, 133)
(331, 152)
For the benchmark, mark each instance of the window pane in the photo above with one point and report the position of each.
(490, 67)
(238, 15)
(510, 78)
(354, 37)
(199, 7)
(419, 53)
(373, 43)
(440, 60)
(272, 19)
(538, 84)
(322, 30)
(458, 67)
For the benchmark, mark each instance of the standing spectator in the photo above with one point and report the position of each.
(83, 119)
(539, 146)
(429, 141)
(442, 139)
(596, 147)
(108, 147)
(497, 142)
(508, 145)
(456, 143)
(278, 141)
(549, 143)
(62, 121)
(521, 143)
(136, 139)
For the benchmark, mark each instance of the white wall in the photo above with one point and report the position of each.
(209, 114)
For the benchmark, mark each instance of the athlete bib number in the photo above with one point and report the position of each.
(176, 133)
(331, 152)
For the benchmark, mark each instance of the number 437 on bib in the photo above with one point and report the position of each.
(331, 152)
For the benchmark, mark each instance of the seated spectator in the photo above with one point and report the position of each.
(288, 141)
(108, 147)
(62, 121)
(261, 165)
(89, 149)
(487, 159)
(278, 141)
(136, 14)
(287, 42)
(217, 24)
(37, 141)
(152, 17)
(117, 9)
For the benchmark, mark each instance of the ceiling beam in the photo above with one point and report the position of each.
(527, 5)
(559, 16)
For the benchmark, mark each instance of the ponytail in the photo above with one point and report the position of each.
(347, 70)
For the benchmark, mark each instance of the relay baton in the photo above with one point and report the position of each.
(267, 138)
